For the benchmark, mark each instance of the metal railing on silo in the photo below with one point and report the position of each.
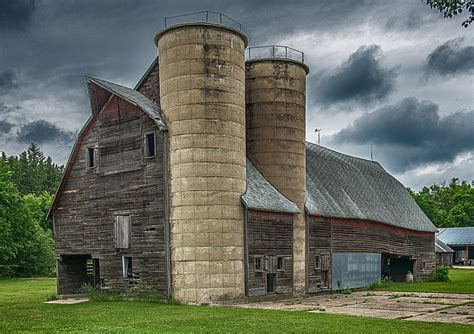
(274, 51)
(205, 16)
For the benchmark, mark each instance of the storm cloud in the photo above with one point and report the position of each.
(7, 80)
(5, 126)
(41, 131)
(362, 78)
(451, 58)
(16, 14)
(412, 133)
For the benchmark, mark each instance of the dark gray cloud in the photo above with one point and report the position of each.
(41, 131)
(16, 14)
(5, 126)
(412, 133)
(451, 58)
(7, 80)
(362, 78)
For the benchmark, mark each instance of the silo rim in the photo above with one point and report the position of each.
(201, 24)
(272, 59)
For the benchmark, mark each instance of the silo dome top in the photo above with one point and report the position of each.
(202, 18)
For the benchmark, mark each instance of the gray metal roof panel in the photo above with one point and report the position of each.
(261, 195)
(441, 247)
(134, 97)
(343, 186)
(457, 236)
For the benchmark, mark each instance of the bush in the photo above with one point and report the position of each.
(380, 283)
(98, 294)
(441, 274)
(145, 293)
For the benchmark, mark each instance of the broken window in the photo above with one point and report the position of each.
(280, 263)
(90, 157)
(127, 266)
(122, 231)
(260, 263)
(317, 262)
(150, 145)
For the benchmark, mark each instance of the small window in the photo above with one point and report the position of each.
(260, 263)
(90, 157)
(423, 265)
(317, 262)
(150, 145)
(127, 266)
(122, 231)
(280, 263)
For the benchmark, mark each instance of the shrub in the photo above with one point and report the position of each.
(441, 274)
(145, 293)
(98, 294)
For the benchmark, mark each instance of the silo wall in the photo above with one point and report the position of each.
(275, 126)
(202, 96)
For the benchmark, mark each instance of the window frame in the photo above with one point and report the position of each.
(146, 145)
(282, 258)
(88, 157)
(262, 263)
(125, 269)
(317, 262)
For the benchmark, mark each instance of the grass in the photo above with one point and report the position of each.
(22, 309)
(462, 281)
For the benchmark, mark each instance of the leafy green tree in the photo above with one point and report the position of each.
(451, 8)
(447, 205)
(26, 249)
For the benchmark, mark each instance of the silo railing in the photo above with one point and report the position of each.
(206, 16)
(274, 51)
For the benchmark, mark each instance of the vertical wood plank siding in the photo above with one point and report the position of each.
(270, 234)
(123, 183)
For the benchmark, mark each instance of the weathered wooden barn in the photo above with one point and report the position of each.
(444, 254)
(199, 182)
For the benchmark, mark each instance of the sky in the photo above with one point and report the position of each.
(389, 77)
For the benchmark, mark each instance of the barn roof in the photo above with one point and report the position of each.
(441, 247)
(457, 236)
(133, 96)
(261, 195)
(343, 186)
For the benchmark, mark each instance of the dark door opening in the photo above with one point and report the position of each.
(271, 280)
(396, 267)
(75, 271)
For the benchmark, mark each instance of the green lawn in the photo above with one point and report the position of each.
(462, 281)
(22, 309)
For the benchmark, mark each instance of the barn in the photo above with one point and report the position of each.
(461, 241)
(199, 182)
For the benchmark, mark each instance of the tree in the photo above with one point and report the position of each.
(451, 8)
(447, 205)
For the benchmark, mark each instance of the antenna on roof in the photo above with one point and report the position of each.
(318, 131)
(371, 153)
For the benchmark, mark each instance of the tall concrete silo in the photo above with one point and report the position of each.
(202, 96)
(276, 108)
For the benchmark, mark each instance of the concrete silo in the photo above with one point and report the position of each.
(202, 96)
(275, 121)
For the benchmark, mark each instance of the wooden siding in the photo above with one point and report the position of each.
(269, 235)
(328, 235)
(122, 183)
(319, 245)
(150, 87)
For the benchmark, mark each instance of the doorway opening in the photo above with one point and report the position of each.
(271, 282)
(397, 267)
(75, 271)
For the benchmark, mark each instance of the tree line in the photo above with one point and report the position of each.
(447, 204)
(27, 186)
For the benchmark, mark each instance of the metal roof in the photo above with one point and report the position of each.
(457, 236)
(135, 97)
(441, 247)
(261, 195)
(343, 186)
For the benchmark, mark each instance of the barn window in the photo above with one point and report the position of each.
(127, 266)
(90, 157)
(260, 263)
(150, 145)
(423, 265)
(280, 263)
(122, 231)
(317, 262)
